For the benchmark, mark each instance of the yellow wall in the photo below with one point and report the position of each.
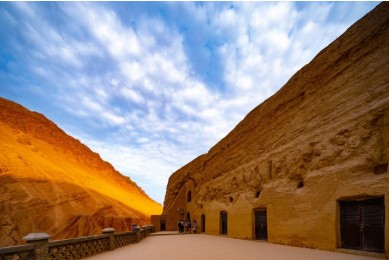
(387, 225)
(296, 220)
(299, 218)
(177, 211)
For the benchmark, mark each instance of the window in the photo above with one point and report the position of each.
(189, 197)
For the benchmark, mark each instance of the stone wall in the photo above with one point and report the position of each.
(320, 141)
(178, 210)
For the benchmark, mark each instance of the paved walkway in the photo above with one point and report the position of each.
(207, 247)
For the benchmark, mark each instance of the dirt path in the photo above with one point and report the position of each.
(201, 247)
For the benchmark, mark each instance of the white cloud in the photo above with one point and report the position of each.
(25, 8)
(114, 119)
(132, 95)
(104, 24)
(137, 80)
(132, 70)
(50, 44)
(91, 105)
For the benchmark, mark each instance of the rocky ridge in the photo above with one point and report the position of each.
(51, 182)
(37, 125)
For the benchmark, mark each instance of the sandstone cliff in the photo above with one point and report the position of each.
(51, 182)
(323, 135)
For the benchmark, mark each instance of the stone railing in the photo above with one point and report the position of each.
(24, 252)
(39, 247)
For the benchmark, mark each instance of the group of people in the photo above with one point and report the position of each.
(187, 226)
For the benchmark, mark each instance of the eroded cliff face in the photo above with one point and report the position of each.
(321, 137)
(50, 182)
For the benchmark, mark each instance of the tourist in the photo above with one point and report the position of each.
(186, 226)
(189, 226)
(179, 226)
(194, 226)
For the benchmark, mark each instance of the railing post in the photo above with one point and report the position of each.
(41, 245)
(110, 232)
(138, 235)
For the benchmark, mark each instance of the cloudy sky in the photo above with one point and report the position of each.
(152, 85)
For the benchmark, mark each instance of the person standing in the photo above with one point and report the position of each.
(186, 226)
(180, 226)
(189, 226)
(194, 226)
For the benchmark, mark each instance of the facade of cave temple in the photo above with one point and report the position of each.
(309, 166)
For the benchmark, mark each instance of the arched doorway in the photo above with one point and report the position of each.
(188, 215)
(203, 223)
(223, 223)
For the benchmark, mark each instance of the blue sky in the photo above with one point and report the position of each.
(152, 85)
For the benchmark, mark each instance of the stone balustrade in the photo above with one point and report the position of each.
(24, 252)
(39, 247)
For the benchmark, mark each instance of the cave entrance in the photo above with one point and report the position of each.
(362, 224)
(163, 224)
(223, 223)
(203, 223)
(260, 224)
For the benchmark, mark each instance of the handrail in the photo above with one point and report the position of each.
(39, 247)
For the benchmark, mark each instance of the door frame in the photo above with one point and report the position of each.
(339, 219)
(223, 212)
(203, 223)
(162, 223)
(254, 236)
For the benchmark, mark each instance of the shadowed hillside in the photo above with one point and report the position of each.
(51, 182)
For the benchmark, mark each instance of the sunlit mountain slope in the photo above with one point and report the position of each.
(50, 182)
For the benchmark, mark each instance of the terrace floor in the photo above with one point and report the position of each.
(171, 245)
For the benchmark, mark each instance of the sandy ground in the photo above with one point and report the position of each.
(201, 246)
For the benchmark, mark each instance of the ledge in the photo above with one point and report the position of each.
(108, 230)
(125, 233)
(36, 237)
(76, 240)
(15, 249)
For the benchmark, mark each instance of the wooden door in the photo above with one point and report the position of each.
(163, 224)
(261, 224)
(223, 223)
(202, 223)
(362, 224)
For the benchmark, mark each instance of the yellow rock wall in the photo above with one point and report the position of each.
(322, 138)
(50, 182)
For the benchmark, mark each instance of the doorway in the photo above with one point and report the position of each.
(188, 215)
(223, 223)
(203, 223)
(163, 224)
(260, 224)
(362, 224)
